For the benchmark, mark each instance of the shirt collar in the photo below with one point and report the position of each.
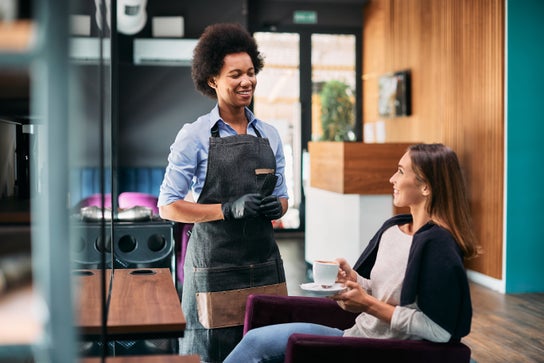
(214, 116)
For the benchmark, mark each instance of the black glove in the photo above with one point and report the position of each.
(271, 207)
(244, 207)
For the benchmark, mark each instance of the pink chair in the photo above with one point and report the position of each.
(264, 310)
(128, 200)
(133, 199)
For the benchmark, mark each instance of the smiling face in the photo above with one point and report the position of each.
(236, 81)
(408, 190)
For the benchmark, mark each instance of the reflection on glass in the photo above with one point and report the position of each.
(333, 83)
(277, 101)
(90, 161)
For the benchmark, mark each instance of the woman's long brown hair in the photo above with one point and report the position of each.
(438, 166)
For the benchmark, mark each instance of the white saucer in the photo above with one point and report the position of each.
(322, 291)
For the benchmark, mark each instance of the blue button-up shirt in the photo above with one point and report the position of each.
(188, 158)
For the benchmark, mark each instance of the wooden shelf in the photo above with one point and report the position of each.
(16, 36)
(354, 167)
(14, 211)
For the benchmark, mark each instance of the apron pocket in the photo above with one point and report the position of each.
(223, 309)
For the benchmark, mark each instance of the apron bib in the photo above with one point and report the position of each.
(228, 260)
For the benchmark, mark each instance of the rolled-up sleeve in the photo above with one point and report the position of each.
(181, 168)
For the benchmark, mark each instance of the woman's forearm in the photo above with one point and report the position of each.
(413, 321)
(379, 309)
(190, 212)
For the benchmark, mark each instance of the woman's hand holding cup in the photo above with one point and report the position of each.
(345, 272)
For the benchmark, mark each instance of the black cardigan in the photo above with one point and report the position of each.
(435, 275)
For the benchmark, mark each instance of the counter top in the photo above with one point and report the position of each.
(354, 167)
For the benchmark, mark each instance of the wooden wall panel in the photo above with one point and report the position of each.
(455, 51)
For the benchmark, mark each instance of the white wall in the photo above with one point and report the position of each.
(340, 225)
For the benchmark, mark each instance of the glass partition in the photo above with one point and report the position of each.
(91, 169)
(33, 55)
(58, 191)
(35, 295)
(104, 236)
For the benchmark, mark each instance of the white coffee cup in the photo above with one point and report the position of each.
(325, 272)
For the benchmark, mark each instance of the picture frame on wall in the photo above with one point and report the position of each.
(394, 94)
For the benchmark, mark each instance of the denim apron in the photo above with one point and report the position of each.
(226, 260)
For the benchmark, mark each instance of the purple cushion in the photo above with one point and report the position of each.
(264, 310)
(303, 348)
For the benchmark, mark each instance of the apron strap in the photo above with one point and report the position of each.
(256, 131)
(215, 130)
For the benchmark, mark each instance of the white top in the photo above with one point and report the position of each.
(385, 284)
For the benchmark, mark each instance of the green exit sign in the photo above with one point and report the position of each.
(305, 17)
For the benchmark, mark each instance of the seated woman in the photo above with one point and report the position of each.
(410, 281)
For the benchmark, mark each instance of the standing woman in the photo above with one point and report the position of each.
(233, 163)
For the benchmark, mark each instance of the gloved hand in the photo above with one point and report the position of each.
(244, 207)
(271, 207)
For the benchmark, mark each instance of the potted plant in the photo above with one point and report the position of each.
(337, 114)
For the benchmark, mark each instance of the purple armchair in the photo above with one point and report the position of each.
(264, 310)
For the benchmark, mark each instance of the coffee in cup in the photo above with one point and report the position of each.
(325, 272)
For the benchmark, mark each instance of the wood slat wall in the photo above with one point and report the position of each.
(455, 51)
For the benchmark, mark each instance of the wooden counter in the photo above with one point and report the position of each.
(145, 301)
(88, 306)
(354, 167)
(349, 196)
(144, 304)
(14, 211)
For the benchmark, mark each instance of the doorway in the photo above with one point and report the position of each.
(298, 68)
